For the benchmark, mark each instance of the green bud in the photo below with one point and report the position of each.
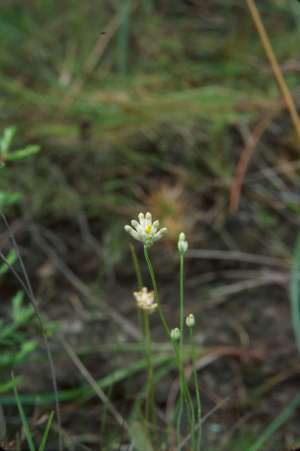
(182, 244)
(175, 334)
(190, 320)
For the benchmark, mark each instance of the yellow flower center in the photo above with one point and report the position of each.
(148, 229)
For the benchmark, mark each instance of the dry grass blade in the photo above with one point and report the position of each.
(288, 99)
(241, 168)
(93, 383)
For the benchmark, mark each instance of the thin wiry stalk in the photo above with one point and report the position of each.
(185, 395)
(180, 363)
(93, 383)
(150, 386)
(287, 96)
(197, 390)
(145, 327)
(29, 291)
(185, 398)
(156, 293)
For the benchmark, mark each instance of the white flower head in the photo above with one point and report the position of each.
(190, 320)
(145, 230)
(145, 300)
(182, 244)
(175, 334)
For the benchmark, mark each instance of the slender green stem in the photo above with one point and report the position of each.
(185, 399)
(197, 390)
(181, 299)
(145, 326)
(180, 356)
(185, 396)
(156, 294)
(150, 386)
(181, 399)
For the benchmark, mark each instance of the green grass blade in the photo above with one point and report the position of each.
(85, 391)
(46, 432)
(23, 153)
(295, 293)
(265, 437)
(23, 419)
(139, 437)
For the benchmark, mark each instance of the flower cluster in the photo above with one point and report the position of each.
(145, 230)
(145, 300)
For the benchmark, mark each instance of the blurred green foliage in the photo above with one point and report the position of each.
(126, 98)
(15, 342)
(98, 84)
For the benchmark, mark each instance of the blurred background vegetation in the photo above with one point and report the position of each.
(151, 105)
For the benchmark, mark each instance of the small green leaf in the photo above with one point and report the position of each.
(7, 199)
(6, 140)
(23, 153)
(46, 432)
(11, 258)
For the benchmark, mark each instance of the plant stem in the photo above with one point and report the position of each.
(150, 386)
(145, 326)
(185, 396)
(197, 390)
(180, 357)
(181, 297)
(155, 289)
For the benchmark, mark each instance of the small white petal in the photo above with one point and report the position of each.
(181, 237)
(135, 224)
(141, 218)
(155, 225)
(148, 218)
(160, 233)
(132, 232)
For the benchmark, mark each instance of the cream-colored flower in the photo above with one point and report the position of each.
(145, 230)
(145, 300)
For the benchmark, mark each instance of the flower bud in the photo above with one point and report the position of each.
(175, 334)
(182, 244)
(190, 320)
